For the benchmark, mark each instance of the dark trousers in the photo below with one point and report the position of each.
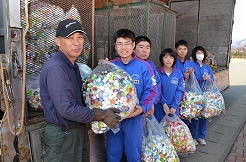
(66, 146)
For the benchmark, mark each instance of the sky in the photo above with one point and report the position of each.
(239, 27)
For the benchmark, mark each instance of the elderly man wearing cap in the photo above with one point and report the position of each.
(65, 137)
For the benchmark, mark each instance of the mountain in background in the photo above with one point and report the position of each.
(238, 44)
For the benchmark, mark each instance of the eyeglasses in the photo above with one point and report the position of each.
(120, 45)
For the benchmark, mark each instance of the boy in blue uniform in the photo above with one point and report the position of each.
(142, 51)
(172, 85)
(203, 72)
(185, 66)
(129, 138)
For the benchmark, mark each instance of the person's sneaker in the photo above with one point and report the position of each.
(201, 141)
(195, 141)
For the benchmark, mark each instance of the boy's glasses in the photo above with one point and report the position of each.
(120, 45)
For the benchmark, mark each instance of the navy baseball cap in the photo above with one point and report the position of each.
(67, 27)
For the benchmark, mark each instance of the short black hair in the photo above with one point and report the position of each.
(167, 51)
(141, 38)
(200, 48)
(124, 33)
(181, 43)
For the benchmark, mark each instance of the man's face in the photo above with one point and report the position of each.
(71, 46)
(182, 51)
(142, 50)
(124, 47)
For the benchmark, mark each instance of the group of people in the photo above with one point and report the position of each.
(159, 92)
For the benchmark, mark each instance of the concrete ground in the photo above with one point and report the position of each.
(226, 135)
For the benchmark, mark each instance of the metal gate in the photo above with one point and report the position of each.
(144, 18)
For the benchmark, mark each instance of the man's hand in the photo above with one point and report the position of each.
(172, 110)
(189, 72)
(151, 111)
(166, 109)
(206, 77)
(109, 116)
(187, 75)
(112, 119)
(138, 110)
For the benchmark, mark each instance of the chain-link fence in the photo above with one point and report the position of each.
(144, 18)
(43, 17)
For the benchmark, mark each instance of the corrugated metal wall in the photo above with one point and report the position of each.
(206, 23)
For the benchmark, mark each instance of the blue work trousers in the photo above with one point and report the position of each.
(201, 125)
(129, 139)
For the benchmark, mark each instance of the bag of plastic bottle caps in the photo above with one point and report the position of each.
(214, 101)
(178, 133)
(156, 146)
(193, 100)
(109, 86)
(33, 92)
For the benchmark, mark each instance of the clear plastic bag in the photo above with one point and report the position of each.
(109, 86)
(193, 100)
(178, 133)
(210, 60)
(214, 101)
(33, 92)
(156, 145)
(84, 70)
